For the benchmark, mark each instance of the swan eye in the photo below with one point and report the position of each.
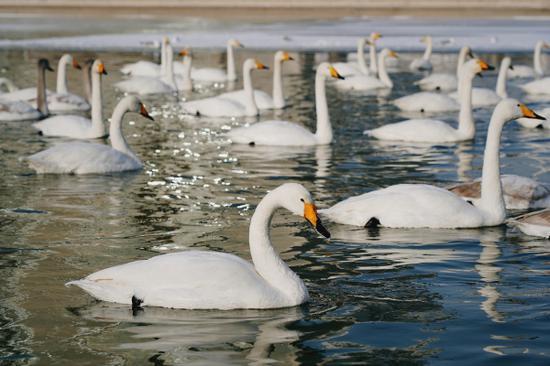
(301, 199)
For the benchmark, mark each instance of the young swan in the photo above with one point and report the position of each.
(284, 133)
(214, 280)
(421, 205)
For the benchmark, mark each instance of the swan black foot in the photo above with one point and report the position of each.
(422, 110)
(136, 305)
(372, 223)
(539, 127)
(251, 143)
(40, 133)
(198, 113)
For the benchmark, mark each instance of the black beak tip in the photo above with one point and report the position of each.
(538, 116)
(490, 67)
(104, 72)
(511, 67)
(341, 77)
(322, 230)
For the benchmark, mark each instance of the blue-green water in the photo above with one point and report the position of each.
(386, 297)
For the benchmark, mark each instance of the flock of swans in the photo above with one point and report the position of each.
(214, 280)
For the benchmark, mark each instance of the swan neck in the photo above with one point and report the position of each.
(382, 73)
(373, 58)
(169, 74)
(267, 262)
(466, 126)
(87, 82)
(428, 51)
(324, 128)
(501, 80)
(41, 101)
(187, 81)
(461, 60)
(361, 57)
(537, 59)
(97, 105)
(492, 201)
(118, 142)
(61, 87)
(250, 101)
(163, 50)
(278, 97)
(231, 70)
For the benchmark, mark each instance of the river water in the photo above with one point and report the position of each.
(385, 297)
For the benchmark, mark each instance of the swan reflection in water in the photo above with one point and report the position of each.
(196, 337)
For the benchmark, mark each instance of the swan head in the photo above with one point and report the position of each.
(506, 63)
(253, 64)
(426, 39)
(234, 43)
(297, 199)
(475, 67)
(166, 40)
(282, 56)
(513, 109)
(135, 105)
(386, 52)
(328, 71)
(44, 64)
(374, 36)
(99, 67)
(69, 59)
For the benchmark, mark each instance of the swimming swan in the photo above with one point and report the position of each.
(148, 68)
(533, 224)
(77, 126)
(284, 133)
(423, 63)
(220, 106)
(531, 123)
(18, 110)
(61, 101)
(421, 205)
(431, 130)
(359, 65)
(214, 280)
(94, 158)
(445, 82)
(482, 97)
(214, 75)
(369, 82)
(523, 71)
(264, 100)
(145, 85)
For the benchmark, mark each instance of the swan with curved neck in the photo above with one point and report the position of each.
(221, 106)
(94, 158)
(374, 36)
(442, 81)
(77, 126)
(524, 71)
(214, 280)
(366, 82)
(284, 133)
(17, 110)
(540, 86)
(214, 75)
(145, 85)
(423, 63)
(148, 68)
(420, 205)
(430, 130)
(264, 100)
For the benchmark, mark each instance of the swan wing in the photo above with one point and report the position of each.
(18, 111)
(279, 133)
(521, 71)
(68, 126)
(541, 86)
(141, 68)
(144, 85)
(440, 81)
(214, 107)
(427, 102)
(418, 130)
(360, 82)
(209, 74)
(191, 280)
(262, 99)
(407, 206)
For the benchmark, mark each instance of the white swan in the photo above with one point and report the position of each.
(520, 193)
(531, 123)
(420, 205)
(423, 63)
(523, 71)
(214, 280)
(357, 66)
(284, 133)
(77, 126)
(145, 85)
(214, 75)
(94, 158)
(62, 101)
(148, 68)
(184, 81)
(263, 99)
(18, 110)
(430, 130)
(534, 223)
(432, 101)
(445, 82)
(368, 82)
(482, 97)
(224, 107)
(373, 65)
